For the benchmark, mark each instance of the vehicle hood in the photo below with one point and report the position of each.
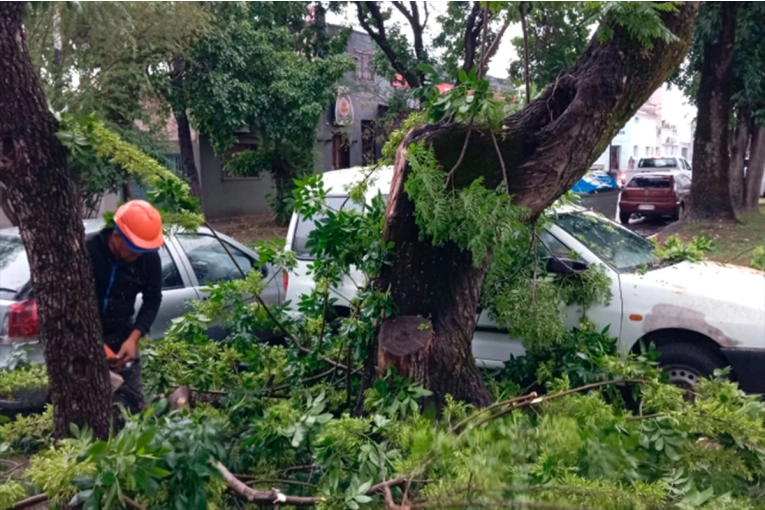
(723, 302)
(721, 282)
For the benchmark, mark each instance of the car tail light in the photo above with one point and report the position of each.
(22, 320)
(285, 279)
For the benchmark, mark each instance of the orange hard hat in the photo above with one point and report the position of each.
(140, 225)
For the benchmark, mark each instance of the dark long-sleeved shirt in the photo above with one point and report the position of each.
(118, 283)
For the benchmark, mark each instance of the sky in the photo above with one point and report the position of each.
(675, 108)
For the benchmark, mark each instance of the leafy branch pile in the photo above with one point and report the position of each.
(294, 420)
(89, 141)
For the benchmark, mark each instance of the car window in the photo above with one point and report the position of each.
(551, 246)
(615, 245)
(305, 226)
(658, 163)
(651, 181)
(171, 277)
(14, 267)
(210, 261)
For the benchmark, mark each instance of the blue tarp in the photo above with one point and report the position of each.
(595, 181)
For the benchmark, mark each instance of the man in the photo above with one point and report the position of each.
(126, 262)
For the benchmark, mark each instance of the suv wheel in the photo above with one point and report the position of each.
(624, 218)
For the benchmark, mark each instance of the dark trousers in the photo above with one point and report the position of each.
(132, 396)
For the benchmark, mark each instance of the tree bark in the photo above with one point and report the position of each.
(184, 129)
(525, 52)
(546, 148)
(738, 148)
(43, 195)
(756, 169)
(187, 155)
(6, 207)
(710, 190)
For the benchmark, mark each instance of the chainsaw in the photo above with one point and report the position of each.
(132, 398)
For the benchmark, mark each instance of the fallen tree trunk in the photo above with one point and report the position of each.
(546, 148)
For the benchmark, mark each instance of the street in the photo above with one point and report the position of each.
(648, 228)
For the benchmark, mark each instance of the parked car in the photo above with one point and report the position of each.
(190, 264)
(656, 163)
(655, 195)
(702, 316)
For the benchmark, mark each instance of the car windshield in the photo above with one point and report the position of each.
(658, 163)
(14, 267)
(615, 245)
(651, 181)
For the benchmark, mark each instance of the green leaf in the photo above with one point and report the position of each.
(98, 449)
(364, 487)
(463, 77)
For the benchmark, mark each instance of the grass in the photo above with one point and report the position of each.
(252, 229)
(733, 242)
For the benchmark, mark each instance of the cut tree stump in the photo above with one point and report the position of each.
(405, 343)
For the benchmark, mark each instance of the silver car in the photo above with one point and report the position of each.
(190, 263)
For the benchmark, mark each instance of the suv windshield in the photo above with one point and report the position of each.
(305, 226)
(615, 245)
(14, 268)
(658, 163)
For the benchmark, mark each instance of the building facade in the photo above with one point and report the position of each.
(648, 133)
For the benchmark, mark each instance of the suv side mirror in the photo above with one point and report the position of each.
(565, 266)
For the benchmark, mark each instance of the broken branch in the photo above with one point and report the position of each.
(273, 497)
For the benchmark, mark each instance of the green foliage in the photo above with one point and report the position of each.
(284, 413)
(54, 471)
(557, 34)
(29, 377)
(254, 69)
(758, 258)
(748, 90)
(642, 20)
(414, 119)
(27, 434)
(476, 218)
(470, 102)
(674, 250)
(395, 397)
(109, 53)
(88, 139)
(486, 223)
(10, 493)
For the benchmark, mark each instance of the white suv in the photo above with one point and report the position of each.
(702, 316)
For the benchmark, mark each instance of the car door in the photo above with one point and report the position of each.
(209, 263)
(177, 290)
(492, 346)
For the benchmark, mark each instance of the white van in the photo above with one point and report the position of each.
(702, 316)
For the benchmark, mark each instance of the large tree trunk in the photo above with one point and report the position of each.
(756, 169)
(43, 196)
(187, 155)
(178, 102)
(547, 147)
(738, 148)
(710, 190)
